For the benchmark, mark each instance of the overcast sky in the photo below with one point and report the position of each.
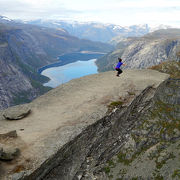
(122, 12)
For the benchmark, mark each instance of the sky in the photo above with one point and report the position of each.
(121, 12)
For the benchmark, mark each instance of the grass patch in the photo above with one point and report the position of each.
(115, 104)
(169, 67)
(158, 177)
(111, 163)
(176, 173)
(107, 169)
(122, 159)
(131, 93)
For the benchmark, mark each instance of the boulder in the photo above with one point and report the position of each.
(11, 134)
(18, 176)
(1, 150)
(16, 112)
(8, 154)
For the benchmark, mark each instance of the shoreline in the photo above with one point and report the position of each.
(77, 69)
(70, 58)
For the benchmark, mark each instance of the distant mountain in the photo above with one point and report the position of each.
(25, 48)
(158, 27)
(4, 19)
(142, 52)
(94, 31)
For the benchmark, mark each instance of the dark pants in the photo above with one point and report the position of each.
(119, 71)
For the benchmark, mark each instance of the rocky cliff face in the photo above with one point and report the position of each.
(12, 79)
(138, 141)
(25, 48)
(62, 130)
(146, 51)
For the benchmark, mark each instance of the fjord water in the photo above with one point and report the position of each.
(62, 74)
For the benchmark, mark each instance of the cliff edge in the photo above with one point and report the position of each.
(62, 114)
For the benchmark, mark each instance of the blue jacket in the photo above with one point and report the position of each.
(118, 65)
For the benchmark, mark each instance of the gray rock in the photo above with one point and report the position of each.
(11, 134)
(16, 112)
(1, 115)
(9, 153)
(1, 150)
(17, 176)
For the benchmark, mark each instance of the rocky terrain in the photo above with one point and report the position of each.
(95, 31)
(24, 49)
(145, 51)
(153, 145)
(74, 129)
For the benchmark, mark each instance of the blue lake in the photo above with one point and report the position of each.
(62, 74)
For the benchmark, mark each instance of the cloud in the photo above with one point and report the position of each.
(26, 9)
(123, 12)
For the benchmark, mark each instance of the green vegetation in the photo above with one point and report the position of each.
(122, 159)
(154, 134)
(116, 103)
(29, 71)
(22, 97)
(134, 178)
(169, 67)
(111, 163)
(107, 169)
(158, 177)
(131, 93)
(26, 96)
(160, 164)
(176, 173)
(167, 121)
(36, 82)
(39, 87)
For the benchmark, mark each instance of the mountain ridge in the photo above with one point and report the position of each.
(24, 49)
(104, 32)
(142, 52)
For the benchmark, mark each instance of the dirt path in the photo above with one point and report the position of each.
(65, 111)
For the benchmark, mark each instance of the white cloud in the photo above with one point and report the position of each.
(124, 12)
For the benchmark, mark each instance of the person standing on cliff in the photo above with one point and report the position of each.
(119, 64)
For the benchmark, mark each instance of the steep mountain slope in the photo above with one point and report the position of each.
(95, 31)
(152, 148)
(169, 67)
(64, 134)
(24, 49)
(145, 51)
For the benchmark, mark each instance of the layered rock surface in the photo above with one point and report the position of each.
(54, 134)
(152, 148)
